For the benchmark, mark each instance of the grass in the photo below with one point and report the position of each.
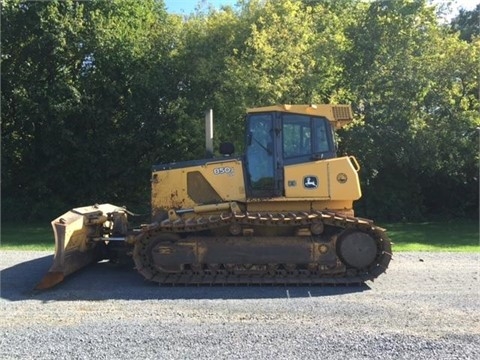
(27, 237)
(453, 235)
(457, 236)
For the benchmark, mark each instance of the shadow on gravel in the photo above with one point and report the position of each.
(105, 281)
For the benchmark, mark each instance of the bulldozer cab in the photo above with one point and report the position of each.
(279, 136)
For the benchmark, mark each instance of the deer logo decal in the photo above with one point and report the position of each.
(310, 182)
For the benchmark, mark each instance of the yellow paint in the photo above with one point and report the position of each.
(170, 188)
(338, 115)
(338, 186)
(327, 172)
(338, 182)
(230, 186)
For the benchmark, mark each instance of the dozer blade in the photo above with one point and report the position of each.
(74, 246)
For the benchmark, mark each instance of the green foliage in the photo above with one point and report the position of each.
(467, 23)
(418, 100)
(95, 92)
(88, 101)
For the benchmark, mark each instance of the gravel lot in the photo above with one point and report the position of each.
(427, 306)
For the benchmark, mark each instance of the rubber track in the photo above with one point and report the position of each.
(283, 277)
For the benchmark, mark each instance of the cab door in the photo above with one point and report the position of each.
(263, 174)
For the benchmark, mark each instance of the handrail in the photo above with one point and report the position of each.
(355, 163)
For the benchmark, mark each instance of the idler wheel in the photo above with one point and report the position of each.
(161, 253)
(357, 249)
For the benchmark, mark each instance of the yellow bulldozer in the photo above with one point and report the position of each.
(281, 213)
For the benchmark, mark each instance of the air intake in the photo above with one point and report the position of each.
(342, 112)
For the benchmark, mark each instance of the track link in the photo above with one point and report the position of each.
(221, 274)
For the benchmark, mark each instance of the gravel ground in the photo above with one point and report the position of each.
(425, 307)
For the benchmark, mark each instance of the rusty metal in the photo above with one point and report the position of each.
(176, 252)
(75, 247)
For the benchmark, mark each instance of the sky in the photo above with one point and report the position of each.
(188, 6)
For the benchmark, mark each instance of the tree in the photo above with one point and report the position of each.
(94, 92)
(467, 23)
(42, 58)
(284, 52)
(87, 101)
(410, 90)
(208, 40)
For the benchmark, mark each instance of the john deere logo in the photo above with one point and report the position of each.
(310, 182)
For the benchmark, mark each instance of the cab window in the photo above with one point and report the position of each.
(260, 152)
(305, 135)
(297, 137)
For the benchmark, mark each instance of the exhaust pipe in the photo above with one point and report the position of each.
(209, 133)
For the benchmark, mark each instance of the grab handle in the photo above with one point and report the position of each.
(354, 162)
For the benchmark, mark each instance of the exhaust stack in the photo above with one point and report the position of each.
(209, 133)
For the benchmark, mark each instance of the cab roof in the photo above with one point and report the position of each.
(338, 115)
